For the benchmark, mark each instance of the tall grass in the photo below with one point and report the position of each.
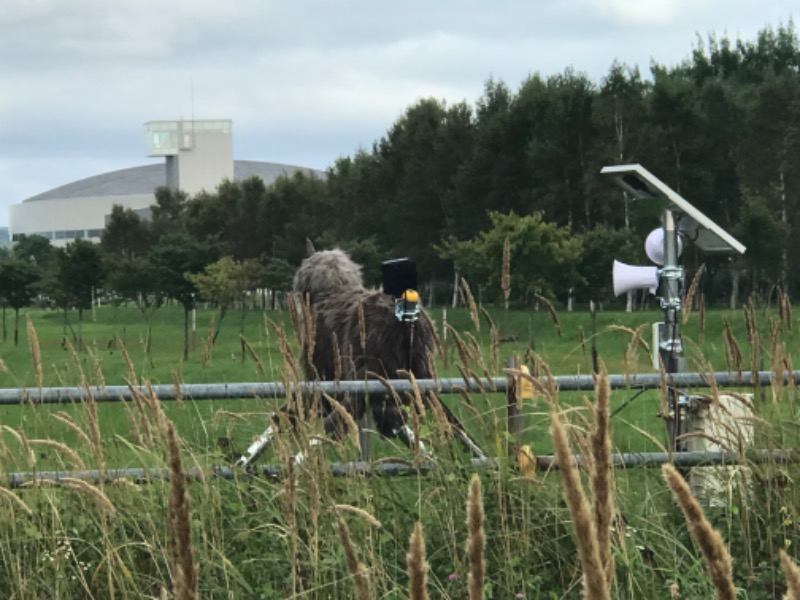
(588, 532)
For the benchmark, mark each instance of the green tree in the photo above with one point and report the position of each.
(175, 256)
(41, 254)
(18, 279)
(278, 277)
(79, 275)
(126, 235)
(227, 282)
(544, 257)
(764, 233)
(599, 247)
(130, 274)
(297, 208)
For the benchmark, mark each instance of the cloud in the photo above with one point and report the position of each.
(302, 81)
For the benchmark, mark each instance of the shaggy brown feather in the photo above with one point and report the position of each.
(332, 283)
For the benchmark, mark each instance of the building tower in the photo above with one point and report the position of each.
(199, 154)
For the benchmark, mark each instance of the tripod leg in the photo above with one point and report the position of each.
(258, 446)
(461, 432)
(406, 434)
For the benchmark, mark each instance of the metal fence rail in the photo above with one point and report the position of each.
(117, 393)
(361, 468)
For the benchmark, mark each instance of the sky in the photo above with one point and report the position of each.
(304, 81)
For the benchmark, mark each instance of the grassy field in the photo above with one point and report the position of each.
(306, 535)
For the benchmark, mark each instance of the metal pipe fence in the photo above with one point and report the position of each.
(363, 468)
(247, 390)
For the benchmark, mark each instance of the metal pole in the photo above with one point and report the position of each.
(627, 460)
(670, 347)
(249, 390)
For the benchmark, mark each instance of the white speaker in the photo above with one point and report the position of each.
(629, 277)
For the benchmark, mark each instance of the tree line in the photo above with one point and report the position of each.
(448, 184)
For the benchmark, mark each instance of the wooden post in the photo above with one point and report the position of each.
(513, 405)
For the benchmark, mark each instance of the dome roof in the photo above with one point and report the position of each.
(146, 178)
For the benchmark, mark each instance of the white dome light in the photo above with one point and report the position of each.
(654, 245)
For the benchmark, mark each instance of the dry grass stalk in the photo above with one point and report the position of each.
(701, 322)
(787, 311)
(251, 351)
(416, 396)
(733, 354)
(494, 334)
(752, 334)
(551, 311)
(778, 362)
(132, 377)
(176, 385)
(36, 354)
(632, 354)
(20, 436)
(289, 506)
(595, 584)
(463, 351)
(362, 326)
(151, 402)
(362, 583)
(346, 418)
(792, 573)
(99, 378)
(389, 388)
(143, 428)
(476, 540)
(469, 301)
(292, 304)
(90, 410)
(688, 299)
(209, 345)
(70, 422)
(184, 571)
(367, 516)
(437, 341)
(337, 358)
(285, 349)
(3, 366)
(475, 353)
(505, 276)
(715, 554)
(443, 425)
(601, 455)
(309, 328)
(582, 338)
(68, 452)
(417, 565)
(15, 500)
(90, 491)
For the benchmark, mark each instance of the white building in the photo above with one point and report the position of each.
(198, 156)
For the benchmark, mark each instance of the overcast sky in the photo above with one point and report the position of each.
(304, 81)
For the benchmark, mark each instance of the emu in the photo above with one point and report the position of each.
(355, 332)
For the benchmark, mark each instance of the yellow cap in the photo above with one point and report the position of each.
(411, 296)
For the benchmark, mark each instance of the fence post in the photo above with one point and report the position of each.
(513, 405)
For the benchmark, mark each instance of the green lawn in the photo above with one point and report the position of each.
(565, 347)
